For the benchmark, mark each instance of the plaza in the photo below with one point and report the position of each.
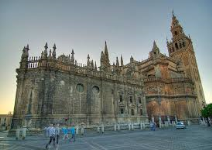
(195, 137)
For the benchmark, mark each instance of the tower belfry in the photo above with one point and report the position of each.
(181, 49)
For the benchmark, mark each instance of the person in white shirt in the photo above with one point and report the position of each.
(51, 131)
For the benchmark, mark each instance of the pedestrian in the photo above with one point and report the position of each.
(73, 133)
(51, 135)
(151, 125)
(65, 133)
(57, 133)
(154, 126)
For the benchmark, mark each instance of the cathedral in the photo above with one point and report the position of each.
(58, 89)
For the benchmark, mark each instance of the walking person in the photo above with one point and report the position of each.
(154, 126)
(57, 134)
(151, 126)
(73, 133)
(65, 133)
(51, 136)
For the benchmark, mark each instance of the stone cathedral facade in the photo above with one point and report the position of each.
(53, 89)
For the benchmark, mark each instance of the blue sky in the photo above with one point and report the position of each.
(128, 26)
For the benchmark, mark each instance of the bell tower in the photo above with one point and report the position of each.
(181, 49)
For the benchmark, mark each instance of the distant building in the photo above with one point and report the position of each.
(57, 89)
(5, 121)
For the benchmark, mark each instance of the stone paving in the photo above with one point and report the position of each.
(195, 137)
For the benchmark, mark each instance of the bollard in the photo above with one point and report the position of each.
(17, 133)
(141, 125)
(132, 126)
(77, 130)
(160, 122)
(173, 123)
(114, 127)
(103, 129)
(119, 127)
(98, 129)
(24, 133)
(189, 123)
(82, 130)
(168, 118)
(129, 126)
(166, 124)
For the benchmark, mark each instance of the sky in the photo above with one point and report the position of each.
(128, 26)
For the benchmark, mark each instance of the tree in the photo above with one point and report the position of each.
(207, 112)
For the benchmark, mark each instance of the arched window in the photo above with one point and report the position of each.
(176, 45)
(80, 87)
(139, 100)
(122, 110)
(120, 98)
(95, 89)
(175, 32)
(180, 45)
(131, 99)
(132, 112)
(141, 112)
(183, 44)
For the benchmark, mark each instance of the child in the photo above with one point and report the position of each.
(65, 133)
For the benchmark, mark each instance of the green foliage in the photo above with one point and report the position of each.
(207, 111)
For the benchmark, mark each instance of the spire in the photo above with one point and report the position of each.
(23, 51)
(24, 54)
(27, 47)
(50, 53)
(106, 49)
(24, 58)
(155, 47)
(175, 22)
(88, 60)
(54, 51)
(45, 51)
(54, 47)
(106, 54)
(131, 59)
(176, 28)
(95, 66)
(117, 61)
(155, 51)
(46, 46)
(102, 55)
(92, 65)
(122, 64)
(173, 13)
(27, 50)
(72, 56)
(102, 58)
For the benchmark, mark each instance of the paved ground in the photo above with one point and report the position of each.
(195, 137)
